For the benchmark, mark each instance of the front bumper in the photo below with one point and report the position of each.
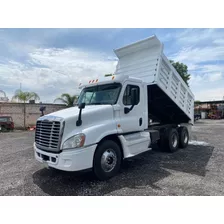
(69, 160)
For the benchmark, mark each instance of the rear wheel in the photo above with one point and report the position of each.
(107, 160)
(169, 140)
(183, 136)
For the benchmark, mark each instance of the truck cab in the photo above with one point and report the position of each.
(115, 118)
(112, 111)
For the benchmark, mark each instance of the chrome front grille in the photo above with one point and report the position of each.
(47, 135)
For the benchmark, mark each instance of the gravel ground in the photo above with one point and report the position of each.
(196, 170)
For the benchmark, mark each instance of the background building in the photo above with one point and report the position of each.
(210, 109)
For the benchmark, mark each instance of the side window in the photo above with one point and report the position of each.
(127, 94)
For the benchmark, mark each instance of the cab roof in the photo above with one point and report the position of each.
(107, 79)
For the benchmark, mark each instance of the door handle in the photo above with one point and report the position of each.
(140, 121)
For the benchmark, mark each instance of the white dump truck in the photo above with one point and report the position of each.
(119, 116)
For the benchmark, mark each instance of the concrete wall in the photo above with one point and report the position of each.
(16, 111)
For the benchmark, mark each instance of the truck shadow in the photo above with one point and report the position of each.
(145, 170)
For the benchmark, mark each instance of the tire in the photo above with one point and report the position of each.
(107, 160)
(3, 128)
(183, 136)
(170, 141)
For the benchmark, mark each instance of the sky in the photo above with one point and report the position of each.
(54, 61)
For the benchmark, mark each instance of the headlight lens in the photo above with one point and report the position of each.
(75, 141)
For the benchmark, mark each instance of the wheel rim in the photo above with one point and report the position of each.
(174, 141)
(185, 137)
(108, 160)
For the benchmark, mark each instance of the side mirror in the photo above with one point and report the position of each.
(134, 99)
(82, 105)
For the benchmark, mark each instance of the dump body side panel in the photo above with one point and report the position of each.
(173, 85)
(145, 60)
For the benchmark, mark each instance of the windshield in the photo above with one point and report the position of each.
(102, 94)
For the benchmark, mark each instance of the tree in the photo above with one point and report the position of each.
(67, 99)
(25, 97)
(197, 102)
(182, 69)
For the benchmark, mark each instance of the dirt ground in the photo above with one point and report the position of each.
(196, 170)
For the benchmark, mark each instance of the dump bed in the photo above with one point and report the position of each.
(169, 98)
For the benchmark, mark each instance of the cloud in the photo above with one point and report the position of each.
(53, 61)
(197, 46)
(203, 51)
(55, 71)
(198, 55)
(199, 80)
(215, 77)
(218, 41)
(210, 94)
(195, 36)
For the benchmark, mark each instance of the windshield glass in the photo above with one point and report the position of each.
(3, 119)
(102, 94)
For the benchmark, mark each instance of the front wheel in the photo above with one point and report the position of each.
(107, 160)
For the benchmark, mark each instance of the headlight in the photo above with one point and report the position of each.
(75, 141)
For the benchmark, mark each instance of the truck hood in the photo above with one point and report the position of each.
(94, 118)
(73, 112)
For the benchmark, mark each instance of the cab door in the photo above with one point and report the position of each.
(132, 117)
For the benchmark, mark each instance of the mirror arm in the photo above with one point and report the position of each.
(79, 121)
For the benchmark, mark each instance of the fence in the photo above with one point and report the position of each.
(16, 111)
